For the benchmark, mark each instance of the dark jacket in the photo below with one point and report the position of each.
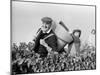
(51, 41)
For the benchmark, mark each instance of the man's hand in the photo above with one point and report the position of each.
(42, 42)
(52, 53)
(55, 52)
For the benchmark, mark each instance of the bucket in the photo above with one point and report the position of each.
(63, 35)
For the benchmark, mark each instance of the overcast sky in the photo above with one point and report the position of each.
(26, 18)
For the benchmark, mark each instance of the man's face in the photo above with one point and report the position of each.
(76, 34)
(45, 27)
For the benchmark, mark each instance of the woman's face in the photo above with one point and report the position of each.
(45, 27)
(76, 34)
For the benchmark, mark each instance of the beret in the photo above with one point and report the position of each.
(47, 20)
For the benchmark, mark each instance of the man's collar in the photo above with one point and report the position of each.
(48, 31)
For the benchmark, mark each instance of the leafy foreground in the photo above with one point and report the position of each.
(25, 60)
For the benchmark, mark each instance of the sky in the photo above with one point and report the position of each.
(26, 18)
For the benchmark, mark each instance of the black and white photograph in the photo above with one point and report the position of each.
(52, 37)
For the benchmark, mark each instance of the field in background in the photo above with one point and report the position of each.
(25, 60)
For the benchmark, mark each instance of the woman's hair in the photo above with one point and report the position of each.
(77, 30)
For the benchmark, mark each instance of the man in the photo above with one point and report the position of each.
(46, 40)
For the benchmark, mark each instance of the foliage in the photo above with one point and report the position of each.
(25, 60)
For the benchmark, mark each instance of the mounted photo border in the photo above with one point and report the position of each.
(50, 3)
